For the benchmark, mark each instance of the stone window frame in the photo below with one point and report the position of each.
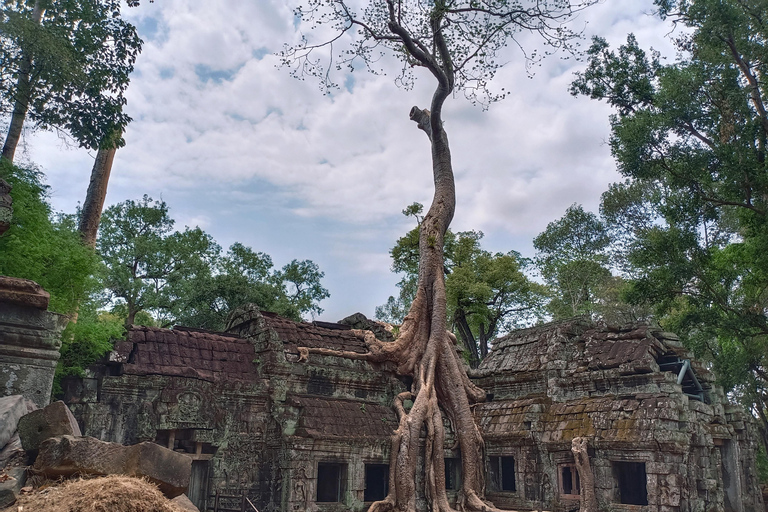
(367, 463)
(342, 484)
(499, 471)
(615, 463)
(452, 473)
(575, 483)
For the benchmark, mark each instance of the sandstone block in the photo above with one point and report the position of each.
(10, 486)
(184, 503)
(12, 408)
(50, 421)
(23, 292)
(67, 455)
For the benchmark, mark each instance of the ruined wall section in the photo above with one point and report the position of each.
(30, 337)
(619, 389)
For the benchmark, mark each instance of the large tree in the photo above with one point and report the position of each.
(146, 259)
(243, 275)
(690, 138)
(66, 65)
(573, 259)
(457, 42)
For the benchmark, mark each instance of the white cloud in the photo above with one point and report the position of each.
(237, 146)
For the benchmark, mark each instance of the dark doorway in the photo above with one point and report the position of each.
(631, 480)
(331, 480)
(198, 483)
(452, 474)
(376, 482)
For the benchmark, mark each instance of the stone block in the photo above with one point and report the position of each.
(12, 408)
(51, 421)
(67, 455)
(11, 451)
(11, 486)
(184, 503)
(23, 292)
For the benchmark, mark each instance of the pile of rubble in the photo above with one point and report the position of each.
(39, 444)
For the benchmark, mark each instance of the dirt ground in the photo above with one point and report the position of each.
(106, 494)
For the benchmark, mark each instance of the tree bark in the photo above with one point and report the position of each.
(588, 501)
(23, 95)
(468, 339)
(96, 195)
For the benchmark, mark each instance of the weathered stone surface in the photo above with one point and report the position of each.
(29, 340)
(12, 451)
(12, 408)
(67, 455)
(23, 292)
(183, 502)
(51, 421)
(11, 483)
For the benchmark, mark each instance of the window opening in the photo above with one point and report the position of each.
(502, 474)
(631, 480)
(452, 474)
(331, 478)
(376, 482)
(569, 480)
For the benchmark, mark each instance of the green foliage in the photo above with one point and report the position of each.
(573, 260)
(42, 246)
(146, 261)
(182, 278)
(85, 341)
(82, 55)
(246, 276)
(690, 138)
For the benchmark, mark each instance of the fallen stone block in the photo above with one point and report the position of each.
(12, 452)
(184, 503)
(67, 455)
(12, 408)
(50, 421)
(11, 483)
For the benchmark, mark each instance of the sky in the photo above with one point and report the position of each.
(235, 145)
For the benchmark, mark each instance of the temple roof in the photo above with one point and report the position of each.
(186, 352)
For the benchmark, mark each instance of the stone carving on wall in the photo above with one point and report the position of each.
(300, 484)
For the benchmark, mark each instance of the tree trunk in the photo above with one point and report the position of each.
(467, 338)
(426, 351)
(588, 501)
(97, 193)
(23, 95)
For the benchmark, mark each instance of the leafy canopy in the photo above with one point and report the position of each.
(43, 246)
(82, 55)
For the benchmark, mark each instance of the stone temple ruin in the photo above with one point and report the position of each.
(294, 436)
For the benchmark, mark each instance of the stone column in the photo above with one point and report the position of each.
(30, 337)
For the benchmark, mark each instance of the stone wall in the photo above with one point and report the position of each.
(315, 435)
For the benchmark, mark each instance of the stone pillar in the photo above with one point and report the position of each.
(30, 337)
